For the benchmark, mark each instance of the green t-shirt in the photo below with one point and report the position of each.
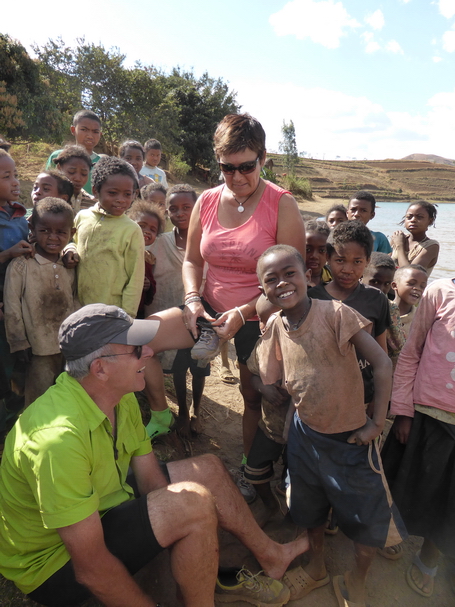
(58, 468)
(51, 165)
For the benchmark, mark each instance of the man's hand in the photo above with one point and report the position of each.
(365, 434)
(71, 259)
(402, 428)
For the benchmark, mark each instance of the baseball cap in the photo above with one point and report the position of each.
(96, 325)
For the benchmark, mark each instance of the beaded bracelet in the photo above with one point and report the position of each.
(189, 300)
(241, 315)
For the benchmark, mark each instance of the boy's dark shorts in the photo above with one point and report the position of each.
(326, 471)
(183, 361)
(246, 337)
(263, 454)
(128, 535)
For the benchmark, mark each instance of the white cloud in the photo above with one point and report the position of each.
(437, 59)
(447, 8)
(323, 22)
(376, 20)
(448, 40)
(330, 123)
(371, 46)
(394, 47)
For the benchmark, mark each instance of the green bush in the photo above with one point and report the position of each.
(300, 186)
(178, 168)
(268, 174)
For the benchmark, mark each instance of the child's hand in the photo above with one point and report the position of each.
(275, 395)
(24, 356)
(398, 239)
(20, 248)
(71, 259)
(401, 428)
(365, 434)
(147, 283)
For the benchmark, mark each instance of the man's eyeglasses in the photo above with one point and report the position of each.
(137, 351)
(244, 169)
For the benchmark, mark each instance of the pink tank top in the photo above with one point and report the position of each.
(232, 253)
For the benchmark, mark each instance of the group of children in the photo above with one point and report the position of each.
(322, 364)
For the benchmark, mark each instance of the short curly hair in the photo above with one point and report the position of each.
(317, 227)
(56, 206)
(380, 260)
(181, 188)
(73, 151)
(364, 195)
(111, 165)
(337, 207)
(146, 190)
(144, 207)
(350, 231)
(64, 185)
(130, 143)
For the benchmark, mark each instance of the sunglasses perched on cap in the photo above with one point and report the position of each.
(137, 351)
(244, 169)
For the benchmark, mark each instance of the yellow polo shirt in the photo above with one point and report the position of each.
(59, 467)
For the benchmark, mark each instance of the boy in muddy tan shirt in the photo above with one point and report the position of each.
(333, 456)
(39, 294)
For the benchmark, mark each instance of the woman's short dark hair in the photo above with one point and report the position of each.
(236, 132)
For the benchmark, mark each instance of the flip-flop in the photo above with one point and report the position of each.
(227, 377)
(392, 556)
(431, 571)
(300, 583)
(341, 593)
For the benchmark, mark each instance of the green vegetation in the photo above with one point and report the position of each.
(289, 146)
(38, 98)
(300, 186)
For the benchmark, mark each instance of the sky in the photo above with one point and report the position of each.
(360, 80)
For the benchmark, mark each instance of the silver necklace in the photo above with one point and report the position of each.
(241, 206)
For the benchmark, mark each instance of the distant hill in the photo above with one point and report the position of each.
(429, 158)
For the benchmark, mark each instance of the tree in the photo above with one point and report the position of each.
(23, 81)
(289, 146)
(10, 115)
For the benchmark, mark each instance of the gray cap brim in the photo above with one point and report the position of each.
(141, 332)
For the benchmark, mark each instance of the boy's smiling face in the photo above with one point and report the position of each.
(410, 285)
(87, 133)
(45, 185)
(9, 183)
(117, 194)
(180, 208)
(284, 281)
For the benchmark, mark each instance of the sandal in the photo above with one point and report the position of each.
(341, 592)
(430, 571)
(393, 553)
(300, 583)
(227, 377)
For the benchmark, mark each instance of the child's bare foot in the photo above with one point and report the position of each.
(196, 425)
(348, 591)
(182, 427)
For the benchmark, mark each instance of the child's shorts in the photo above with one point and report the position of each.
(326, 471)
(263, 453)
(183, 361)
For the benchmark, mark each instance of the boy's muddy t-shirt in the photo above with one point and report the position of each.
(319, 366)
(232, 253)
(373, 305)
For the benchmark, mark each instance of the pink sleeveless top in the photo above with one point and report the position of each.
(232, 253)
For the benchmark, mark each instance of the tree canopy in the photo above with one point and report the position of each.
(41, 96)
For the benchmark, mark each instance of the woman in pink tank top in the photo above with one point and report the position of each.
(230, 227)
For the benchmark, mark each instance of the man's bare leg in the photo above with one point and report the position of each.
(235, 516)
(316, 566)
(172, 333)
(194, 540)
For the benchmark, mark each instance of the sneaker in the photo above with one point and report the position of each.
(257, 589)
(206, 347)
(246, 489)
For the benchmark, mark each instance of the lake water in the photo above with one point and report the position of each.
(389, 215)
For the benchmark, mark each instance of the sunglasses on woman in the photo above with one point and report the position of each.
(137, 351)
(244, 169)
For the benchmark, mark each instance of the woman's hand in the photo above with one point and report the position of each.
(227, 325)
(399, 240)
(191, 312)
(402, 428)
